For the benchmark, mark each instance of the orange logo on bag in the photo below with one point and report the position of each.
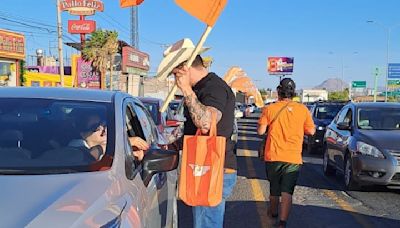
(199, 170)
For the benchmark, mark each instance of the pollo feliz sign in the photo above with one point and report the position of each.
(82, 7)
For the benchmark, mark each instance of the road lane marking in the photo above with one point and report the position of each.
(347, 207)
(255, 184)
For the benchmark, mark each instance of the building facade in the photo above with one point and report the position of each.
(12, 54)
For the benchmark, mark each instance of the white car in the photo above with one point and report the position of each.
(48, 181)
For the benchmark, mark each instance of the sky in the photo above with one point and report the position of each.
(317, 34)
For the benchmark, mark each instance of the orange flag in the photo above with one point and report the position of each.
(128, 3)
(206, 11)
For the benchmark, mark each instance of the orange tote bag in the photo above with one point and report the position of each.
(202, 168)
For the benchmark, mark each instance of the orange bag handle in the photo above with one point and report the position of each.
(213, 127)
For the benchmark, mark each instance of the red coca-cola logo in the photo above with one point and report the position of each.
(81, 26)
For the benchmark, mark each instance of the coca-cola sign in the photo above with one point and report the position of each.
(82, 7)
(81, 26)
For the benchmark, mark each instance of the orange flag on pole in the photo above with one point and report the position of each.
(206, 11)
(128, 3)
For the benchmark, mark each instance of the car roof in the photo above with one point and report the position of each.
(58, 93)
(150, 100)
(377, 105)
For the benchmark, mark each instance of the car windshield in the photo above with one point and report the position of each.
(379, 118)
(174, 105)
(327, 112)
(42, 136)
(153, 110)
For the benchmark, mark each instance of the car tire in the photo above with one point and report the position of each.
(349, 182)
(329, 170)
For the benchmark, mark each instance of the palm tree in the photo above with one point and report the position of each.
(101, 48)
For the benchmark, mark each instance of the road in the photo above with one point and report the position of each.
(318, 201)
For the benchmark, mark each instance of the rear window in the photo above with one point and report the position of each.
(42, 136)
(327, 112)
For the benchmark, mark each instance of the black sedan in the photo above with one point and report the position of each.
(363, 143)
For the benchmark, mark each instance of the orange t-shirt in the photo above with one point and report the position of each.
(285, 135)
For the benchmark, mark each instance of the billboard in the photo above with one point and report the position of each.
(12, 45)
(280, 65)
(134, 59)
(87, 75)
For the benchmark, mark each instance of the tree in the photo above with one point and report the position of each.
(339, 95)
(101, 48)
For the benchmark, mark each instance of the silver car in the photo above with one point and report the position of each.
(50, 175)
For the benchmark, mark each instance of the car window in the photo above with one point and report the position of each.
(153, 110)
(379, 118)
(327, 112)
(147, 124)
(342, 115)
(40, 136)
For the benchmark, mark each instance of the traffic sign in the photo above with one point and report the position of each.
(394, 70)
(394, 82)
(358, 84)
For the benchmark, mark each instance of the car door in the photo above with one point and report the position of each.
(162, 185)
(150, 198)
(338, 138)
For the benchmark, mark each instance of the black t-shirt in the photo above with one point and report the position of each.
(213, 91)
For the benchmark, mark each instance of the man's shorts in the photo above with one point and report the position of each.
(282, 177)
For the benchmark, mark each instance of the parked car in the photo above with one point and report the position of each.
(238, 112)
(363, 143)
(45, 180)
(322, 113)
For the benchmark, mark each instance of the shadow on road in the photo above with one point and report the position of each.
(246, 214)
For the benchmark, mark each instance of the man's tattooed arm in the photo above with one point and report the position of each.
(201, 114)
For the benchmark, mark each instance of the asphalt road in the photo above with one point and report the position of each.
(318, 201)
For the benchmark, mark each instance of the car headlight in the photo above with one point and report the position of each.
(367, 149)
(320, 128)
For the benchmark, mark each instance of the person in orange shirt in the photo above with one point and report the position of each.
(290, 121)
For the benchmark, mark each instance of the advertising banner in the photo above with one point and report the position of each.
(132, 58)
(87, 76)
(280, 65)
(81, 26)
(12, 45)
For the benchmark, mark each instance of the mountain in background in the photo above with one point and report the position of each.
(332, 84)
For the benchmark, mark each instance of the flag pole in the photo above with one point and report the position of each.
(189, 63)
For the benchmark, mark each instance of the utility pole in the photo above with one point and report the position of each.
(376, 74)
(60, 49)
(134, 27)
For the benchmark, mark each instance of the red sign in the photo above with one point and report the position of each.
(81, 27)
(82, 7)
(133, 58)
(12, 45)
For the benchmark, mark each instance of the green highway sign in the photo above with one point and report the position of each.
(358, 84)
(394, 82)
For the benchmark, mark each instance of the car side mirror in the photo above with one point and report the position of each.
(344, 126)
(157, 161)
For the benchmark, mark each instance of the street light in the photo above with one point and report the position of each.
(342, 66)
(388, 30)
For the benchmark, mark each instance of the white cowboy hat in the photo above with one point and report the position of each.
(175, 55)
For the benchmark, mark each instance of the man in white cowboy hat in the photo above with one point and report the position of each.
(204, 93)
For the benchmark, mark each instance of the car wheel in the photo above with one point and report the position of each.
(349, 181)
(329, 170)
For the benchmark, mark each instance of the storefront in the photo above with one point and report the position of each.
(135, 66)
(12, 53)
